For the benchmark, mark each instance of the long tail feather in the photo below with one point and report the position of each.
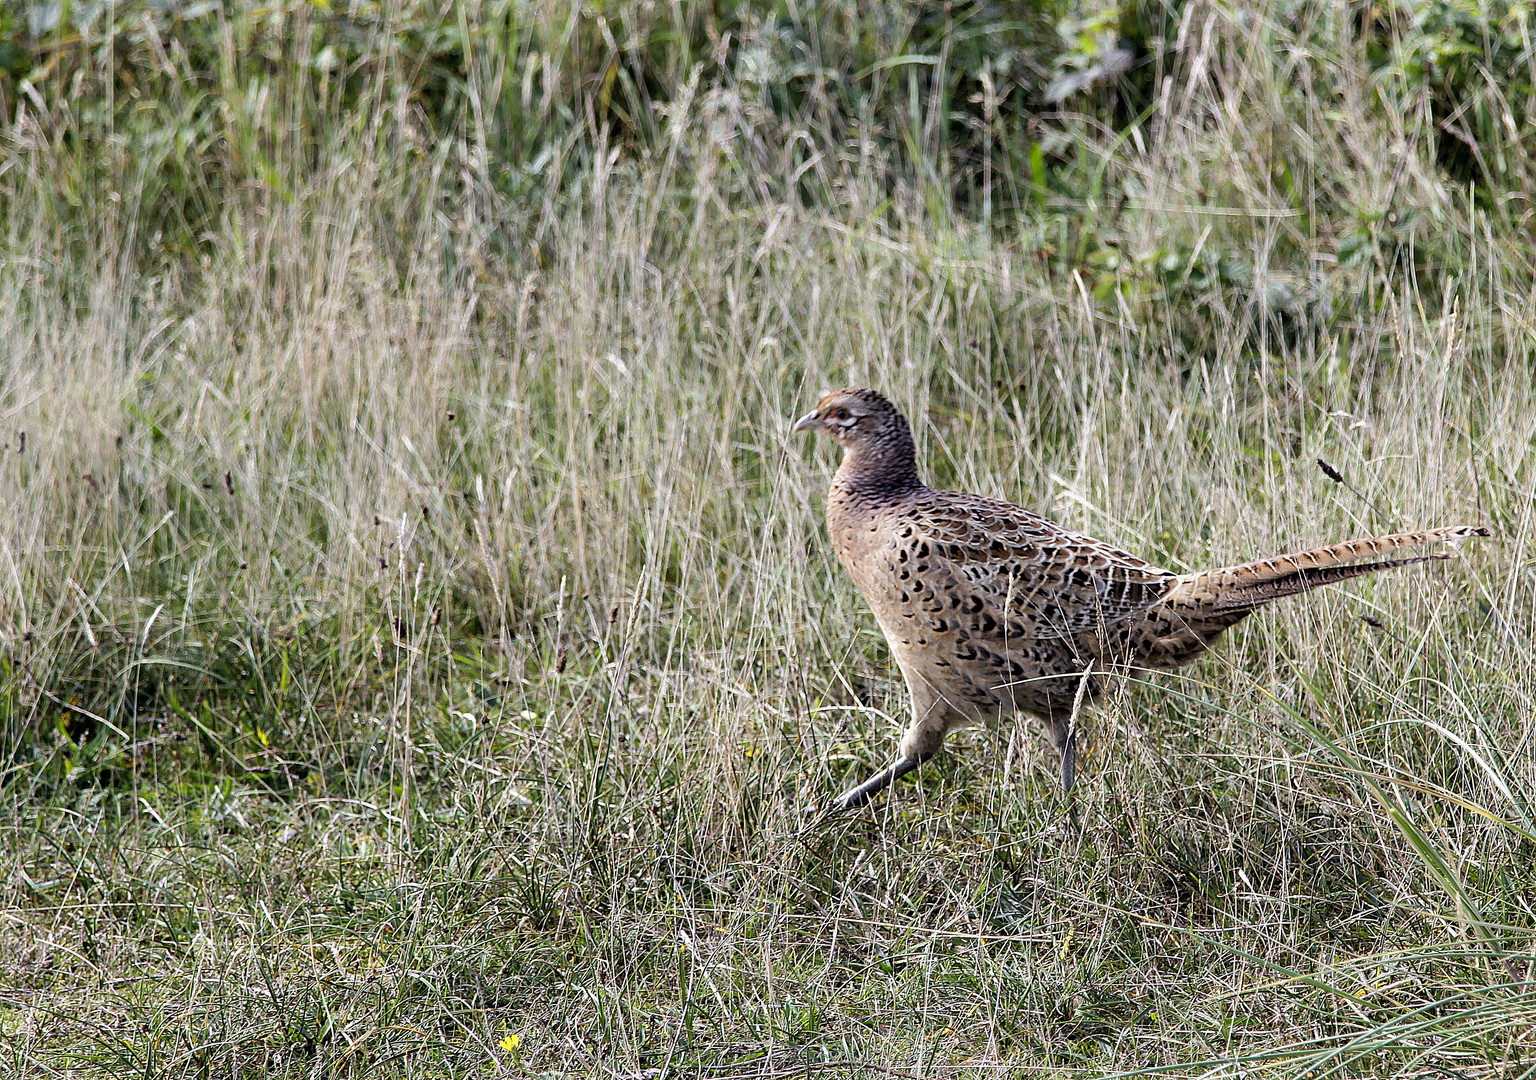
(1242, 588)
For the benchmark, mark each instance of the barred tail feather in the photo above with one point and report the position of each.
(1242, 588)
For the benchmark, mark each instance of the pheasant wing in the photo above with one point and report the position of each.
(1021, 575)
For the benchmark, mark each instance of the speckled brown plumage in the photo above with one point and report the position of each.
(991, 609)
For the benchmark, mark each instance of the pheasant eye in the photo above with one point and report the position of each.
(839, 414)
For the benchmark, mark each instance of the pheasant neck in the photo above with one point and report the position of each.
(880, 473)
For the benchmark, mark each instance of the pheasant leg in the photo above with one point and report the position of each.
(858, 796)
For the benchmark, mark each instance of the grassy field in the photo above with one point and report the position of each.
(418, 634)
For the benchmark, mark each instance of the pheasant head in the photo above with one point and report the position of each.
(878, 452)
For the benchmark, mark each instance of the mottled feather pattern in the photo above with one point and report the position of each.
(1035, 579)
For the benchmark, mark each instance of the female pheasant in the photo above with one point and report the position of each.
(991, 609)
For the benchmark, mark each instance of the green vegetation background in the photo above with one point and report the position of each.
(418, 641)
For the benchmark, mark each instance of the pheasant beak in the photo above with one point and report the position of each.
(808, 422)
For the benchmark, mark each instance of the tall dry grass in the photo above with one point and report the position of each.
(420, 637)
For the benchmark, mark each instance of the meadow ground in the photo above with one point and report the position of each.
(419, 639)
